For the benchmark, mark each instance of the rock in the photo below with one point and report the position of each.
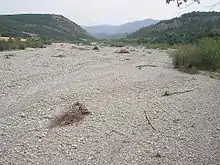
(8, 56)
(22, 115)
(158, 155)
(96, 48)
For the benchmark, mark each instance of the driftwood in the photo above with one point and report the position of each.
(141, 66)
(59, 56)
(122, 51)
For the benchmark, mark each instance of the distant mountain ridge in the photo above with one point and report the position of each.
(114, 30)
(191, 23)
(44, 25)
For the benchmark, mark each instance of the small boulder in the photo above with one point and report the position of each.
(96, 48)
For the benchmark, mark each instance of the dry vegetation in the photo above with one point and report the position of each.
(75, 114)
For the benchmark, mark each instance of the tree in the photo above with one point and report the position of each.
(180, 2)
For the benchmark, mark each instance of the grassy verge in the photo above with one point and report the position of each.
(17, 44)
(205, 55)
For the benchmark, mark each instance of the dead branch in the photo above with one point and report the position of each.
(59, 56)
(141, 66)
(145, 113)
(122, 51)
(173, 93)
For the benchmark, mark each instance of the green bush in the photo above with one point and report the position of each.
(205, 55)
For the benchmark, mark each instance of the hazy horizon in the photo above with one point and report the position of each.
(100, 12)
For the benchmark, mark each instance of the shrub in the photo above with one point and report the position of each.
(204, 55)
(18, 44)
(209, 54)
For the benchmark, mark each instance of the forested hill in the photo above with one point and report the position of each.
(44, 25)
(197, 24)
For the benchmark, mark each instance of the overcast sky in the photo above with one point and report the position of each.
(93, 12)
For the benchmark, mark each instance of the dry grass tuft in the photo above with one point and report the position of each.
(75, 114)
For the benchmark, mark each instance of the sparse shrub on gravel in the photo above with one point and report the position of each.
(75, 114)
(205, 55)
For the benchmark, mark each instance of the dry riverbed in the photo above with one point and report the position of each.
(133, 119)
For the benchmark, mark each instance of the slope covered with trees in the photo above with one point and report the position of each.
(43, 25)
(185, 29)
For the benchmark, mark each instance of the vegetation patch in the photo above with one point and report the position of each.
(76, 113)
(18, 44)
(205, 55)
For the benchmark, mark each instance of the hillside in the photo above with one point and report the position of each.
(44, 25)
(191, 24)
(104, 31)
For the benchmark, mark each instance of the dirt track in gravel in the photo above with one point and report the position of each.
(36, 85)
